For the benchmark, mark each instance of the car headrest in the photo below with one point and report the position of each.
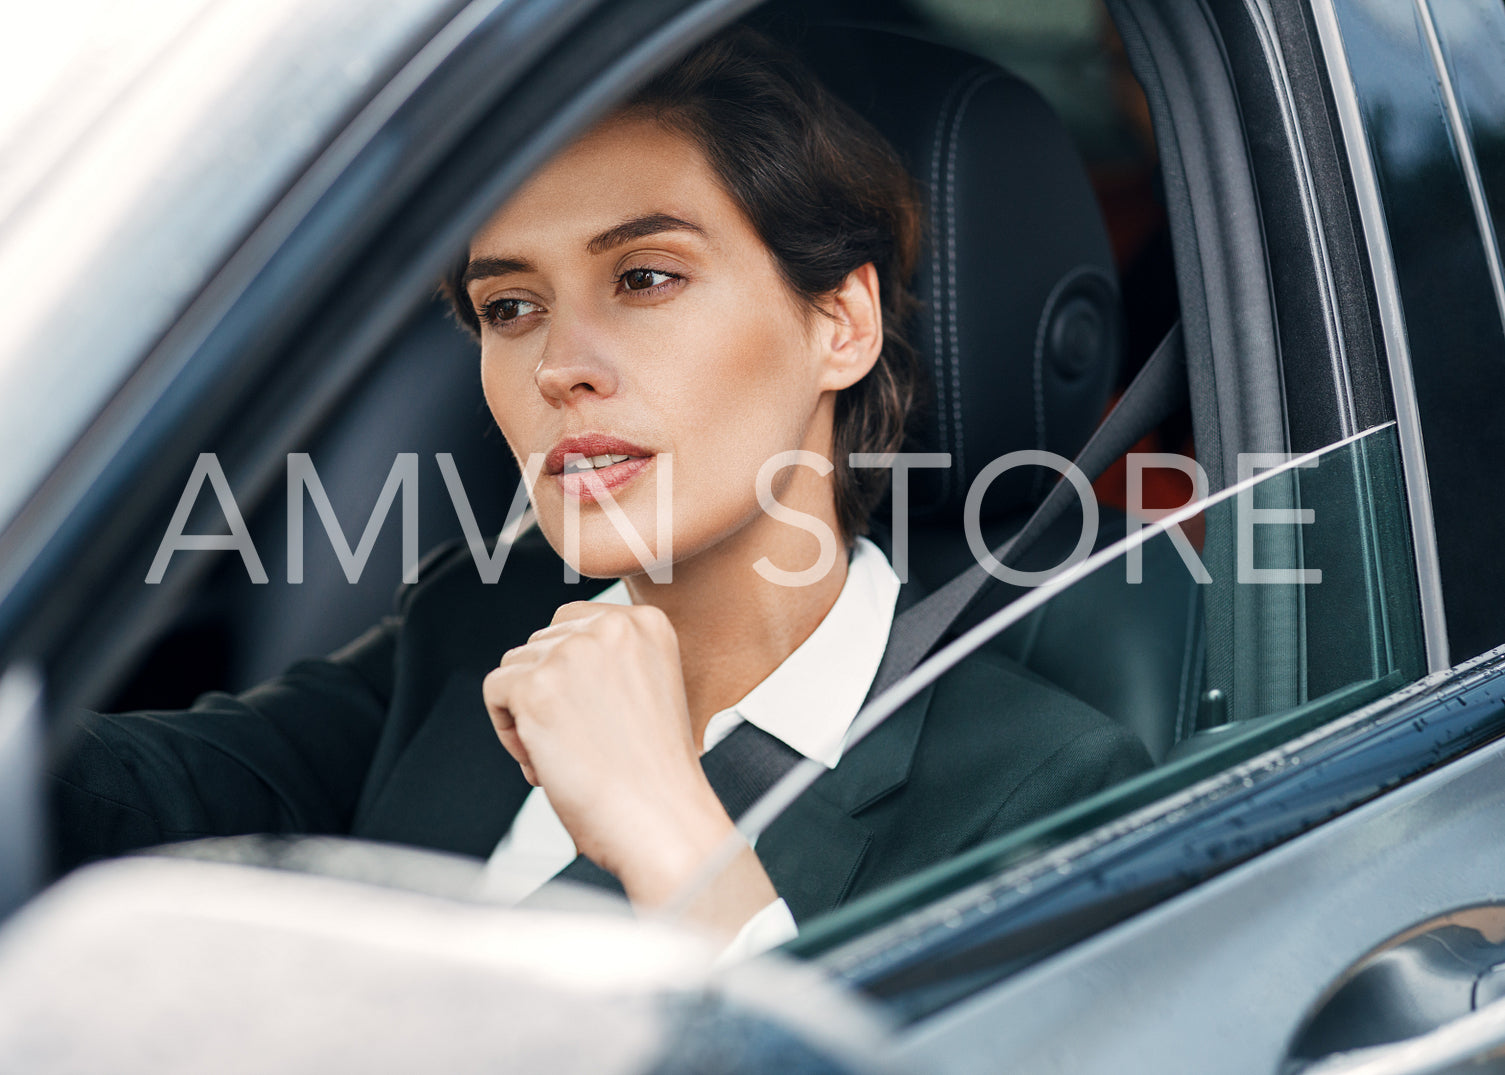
(1019, 324)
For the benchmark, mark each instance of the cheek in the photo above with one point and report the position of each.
(752, 396)
(504, 389)
(763, 390)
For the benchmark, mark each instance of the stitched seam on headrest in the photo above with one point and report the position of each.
(984, 77)
(937, 285)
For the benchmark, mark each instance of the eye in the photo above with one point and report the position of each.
(645, 279)
(502, 311)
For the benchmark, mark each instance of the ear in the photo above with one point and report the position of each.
(853, 332)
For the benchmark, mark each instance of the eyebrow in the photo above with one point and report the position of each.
(481, 268)
(637, 228)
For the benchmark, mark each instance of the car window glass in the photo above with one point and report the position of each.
(1326, 571)
(1303, 649)
(1472, 38)
(1452, 309)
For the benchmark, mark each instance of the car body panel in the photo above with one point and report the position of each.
(1222, 977)
(122, 225)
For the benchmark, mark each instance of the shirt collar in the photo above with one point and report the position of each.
(810, 700)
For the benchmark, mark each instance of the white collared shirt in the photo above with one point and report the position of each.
(808, 702)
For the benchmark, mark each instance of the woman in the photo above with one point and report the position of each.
(688, 321)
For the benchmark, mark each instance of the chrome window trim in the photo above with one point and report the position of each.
(1393, 328)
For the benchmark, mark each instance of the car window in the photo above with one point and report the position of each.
(1471, 37)
(1325, 617)
(1318, 617)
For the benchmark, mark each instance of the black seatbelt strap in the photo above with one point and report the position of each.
(1155, 393)
(739, 769)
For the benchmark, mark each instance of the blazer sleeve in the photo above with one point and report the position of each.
(289, 755)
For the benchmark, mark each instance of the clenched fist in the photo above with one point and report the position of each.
(593, 709)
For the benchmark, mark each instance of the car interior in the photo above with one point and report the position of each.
(1051, 275)
(1023, 321)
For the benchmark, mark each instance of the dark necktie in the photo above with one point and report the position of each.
(739, 769)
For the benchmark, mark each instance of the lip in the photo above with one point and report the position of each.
(591, 444)
(588, 485)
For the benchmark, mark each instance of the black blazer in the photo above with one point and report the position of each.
(388, 739)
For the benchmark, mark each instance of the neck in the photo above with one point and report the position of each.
(734, 625)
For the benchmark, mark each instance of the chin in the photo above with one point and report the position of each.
(602, 552)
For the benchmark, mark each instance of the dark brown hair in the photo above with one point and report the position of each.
(826, 194)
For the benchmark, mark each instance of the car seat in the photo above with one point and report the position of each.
(1019, 327)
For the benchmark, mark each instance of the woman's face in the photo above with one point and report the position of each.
(629, 312)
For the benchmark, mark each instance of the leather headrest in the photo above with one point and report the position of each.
(1020, 323)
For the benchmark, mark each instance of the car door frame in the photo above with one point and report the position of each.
(1222, 982)
(357, 261)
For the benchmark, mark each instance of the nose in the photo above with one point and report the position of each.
(574, 365)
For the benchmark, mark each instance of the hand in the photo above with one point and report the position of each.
(593, 709)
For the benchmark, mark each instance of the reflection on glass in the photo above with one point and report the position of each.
(1472, 35)
(1323, 615)
(1453, 326)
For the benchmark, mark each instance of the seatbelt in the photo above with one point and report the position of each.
(1156, 392)
(740, 769)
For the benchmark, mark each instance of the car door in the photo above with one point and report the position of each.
(1278, 853)
(1377, 832)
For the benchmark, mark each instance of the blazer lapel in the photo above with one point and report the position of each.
(814, 850)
